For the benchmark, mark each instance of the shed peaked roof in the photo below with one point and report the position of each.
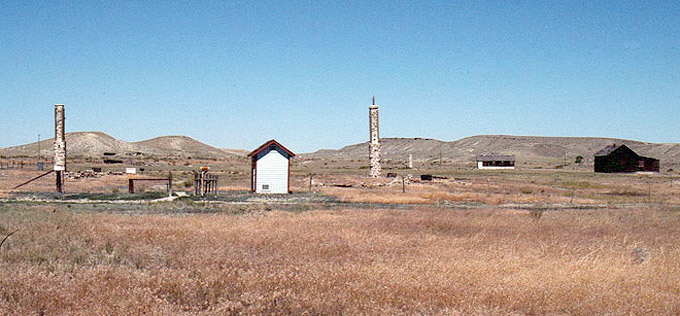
(266, 145)
(609, 149)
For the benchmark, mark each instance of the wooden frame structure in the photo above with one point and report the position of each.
(131, 182)
(205, 183)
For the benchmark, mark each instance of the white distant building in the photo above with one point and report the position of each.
(271, 168)
(496, 161)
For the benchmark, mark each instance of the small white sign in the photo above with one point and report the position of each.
(131, 170)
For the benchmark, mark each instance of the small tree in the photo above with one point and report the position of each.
(579, 159)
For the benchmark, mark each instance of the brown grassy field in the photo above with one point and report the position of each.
(515, 187)
(93, 260)
(475, 243)
(578, 185)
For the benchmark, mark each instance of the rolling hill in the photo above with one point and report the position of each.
(529, 150)
(183, 146)
(532, 150)
(95, 144)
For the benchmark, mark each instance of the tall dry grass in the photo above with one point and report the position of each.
(433, 193)
(340, 262)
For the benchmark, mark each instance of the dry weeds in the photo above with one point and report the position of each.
(434, 193)
(516, 187)
(344, 262)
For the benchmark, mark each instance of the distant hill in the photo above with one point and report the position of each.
(530, 150)
(182, 145)
(390, 148)
(533, 148)
(235, 152)
(95, 144)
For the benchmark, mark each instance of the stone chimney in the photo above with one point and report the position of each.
(374, 143)
(59, 138)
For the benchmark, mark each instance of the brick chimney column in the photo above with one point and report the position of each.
(374, 143)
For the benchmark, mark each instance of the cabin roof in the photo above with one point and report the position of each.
(266, 145)
(495, 157)
(609, 149)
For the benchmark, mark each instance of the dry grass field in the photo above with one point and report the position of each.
(514, 187)
(94, 260)
(525, 242)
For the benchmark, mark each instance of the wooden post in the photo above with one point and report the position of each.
(207, 184)
(196, 183)
(403, 184)
(169, 183)
(203, 184)
(440, 156)
(131, 186)
(310, 182)
(488, 188)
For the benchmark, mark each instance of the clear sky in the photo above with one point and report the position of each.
(235, 74)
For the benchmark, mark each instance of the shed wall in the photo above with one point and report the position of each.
(272, 171)
(620, 160)
(480, 166)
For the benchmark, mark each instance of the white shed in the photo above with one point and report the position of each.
(271, 168)
(496, 161)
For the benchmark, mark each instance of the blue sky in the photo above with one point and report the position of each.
(235, 74)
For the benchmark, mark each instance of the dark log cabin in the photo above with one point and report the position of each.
(620, 158)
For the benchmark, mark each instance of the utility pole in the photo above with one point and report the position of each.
(440, 155)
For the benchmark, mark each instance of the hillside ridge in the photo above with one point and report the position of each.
(537, 150)
(531, 149)
(95, 144)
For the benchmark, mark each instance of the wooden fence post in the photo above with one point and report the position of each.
(169, 183)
